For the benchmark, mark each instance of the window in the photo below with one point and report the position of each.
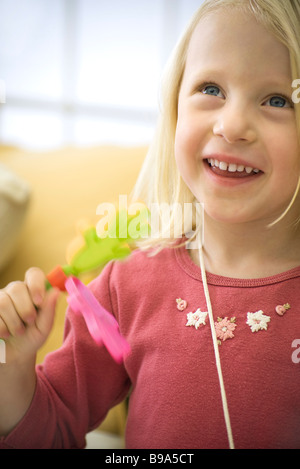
(84, 72)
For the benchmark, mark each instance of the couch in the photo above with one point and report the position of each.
(66, 186)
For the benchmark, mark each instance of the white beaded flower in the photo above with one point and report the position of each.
(197, 318)
(258, 321)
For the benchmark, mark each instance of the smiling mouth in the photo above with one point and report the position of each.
(230, 170)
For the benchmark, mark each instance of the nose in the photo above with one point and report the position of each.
(234, 123)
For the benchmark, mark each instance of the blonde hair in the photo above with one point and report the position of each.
(159, 181)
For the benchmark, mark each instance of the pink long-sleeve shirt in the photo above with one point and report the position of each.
(171, 375)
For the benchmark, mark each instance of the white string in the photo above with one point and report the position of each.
(216, 347)
(2, 351)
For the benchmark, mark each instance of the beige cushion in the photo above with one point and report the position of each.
(14, 198)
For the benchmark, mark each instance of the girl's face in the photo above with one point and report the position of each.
(236, 143)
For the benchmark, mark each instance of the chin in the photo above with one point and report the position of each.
(232, 216)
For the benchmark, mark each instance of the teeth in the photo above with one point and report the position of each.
(232, 168)
(223, 166)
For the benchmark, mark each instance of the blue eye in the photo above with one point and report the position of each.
(278, 101)
(211, 90)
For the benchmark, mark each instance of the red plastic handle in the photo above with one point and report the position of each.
(57, 278)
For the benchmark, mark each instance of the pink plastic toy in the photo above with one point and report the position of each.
(101, 324)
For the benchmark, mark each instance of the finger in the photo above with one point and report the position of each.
(45, 316)
(4, 333)
(10, 321)
(22, 301)
(36, 283)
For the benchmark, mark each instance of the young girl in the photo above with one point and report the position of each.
(212, 329)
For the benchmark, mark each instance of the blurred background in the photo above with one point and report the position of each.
(84, 72)
(79, 88)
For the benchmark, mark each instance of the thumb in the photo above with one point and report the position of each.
(46, 313)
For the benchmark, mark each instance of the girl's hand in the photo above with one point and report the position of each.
(26, 315)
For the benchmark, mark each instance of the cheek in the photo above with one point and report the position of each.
(286, 170)
(187, 148)
(287, 159)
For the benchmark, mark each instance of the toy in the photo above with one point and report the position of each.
(94, 253)
(90, 252)
(102, 325)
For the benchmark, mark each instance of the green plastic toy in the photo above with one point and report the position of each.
(94, 253)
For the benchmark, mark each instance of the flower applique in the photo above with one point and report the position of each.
(181, 304)
(282, 309)
(225, 328)
(197, 318)
(258, 321)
